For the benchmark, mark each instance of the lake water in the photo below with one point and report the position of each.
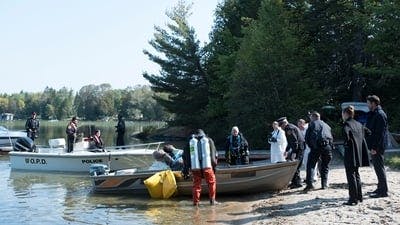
(55, 198)
(58, 198)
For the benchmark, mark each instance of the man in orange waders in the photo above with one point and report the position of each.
(200, 157)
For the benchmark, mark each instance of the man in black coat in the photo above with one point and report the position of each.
(32, 126)
(294, 149)
(355, 154)
(320, 140)
(120, 129)
(377, 142)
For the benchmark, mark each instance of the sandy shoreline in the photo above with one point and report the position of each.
(325, 206)
(315, 207)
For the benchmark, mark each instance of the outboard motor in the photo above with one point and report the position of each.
(98, 169)
(24, 144)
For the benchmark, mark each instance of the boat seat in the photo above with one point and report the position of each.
(57, 143)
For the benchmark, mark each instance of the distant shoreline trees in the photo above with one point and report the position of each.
(91, 102)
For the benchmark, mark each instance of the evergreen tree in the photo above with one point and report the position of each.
(270, 78)
(182, 75)
(231, 17)
(382, 72)
(335, 32)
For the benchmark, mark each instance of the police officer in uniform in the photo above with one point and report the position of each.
(320, 140)
(236, 148)
(355, 154)
(377, 125)
(71, 130)
(120, 129)
(200, 157)
(32, 126)
(294, 149)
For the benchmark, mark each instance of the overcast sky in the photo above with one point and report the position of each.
(73, 43)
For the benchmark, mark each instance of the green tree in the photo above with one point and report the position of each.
(230, 18)
(270, 78)
(335, 32)
(182, 75)
(94, 102)
(382, 72)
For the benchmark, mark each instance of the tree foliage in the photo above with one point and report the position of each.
(182, 76)
(272, 58)
(92, 102)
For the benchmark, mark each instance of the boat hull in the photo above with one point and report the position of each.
(255, 178)
(81, 161)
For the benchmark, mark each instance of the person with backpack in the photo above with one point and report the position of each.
(320, 140)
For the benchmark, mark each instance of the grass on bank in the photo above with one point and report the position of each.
(393, 162)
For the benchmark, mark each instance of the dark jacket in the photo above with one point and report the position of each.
(236, 145)
(295, 138)
(318, 134)
(186, 156)
(355, 146)
(378, 127)
(32, 125)
(120, 127)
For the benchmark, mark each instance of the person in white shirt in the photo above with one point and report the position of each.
(278, 143)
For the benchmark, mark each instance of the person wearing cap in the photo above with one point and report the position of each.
(32, 126)
(320, 140)
(97, 140)
(200, 158)
(236, 148)
(71, 130)
(294, 149)
(377, 142)
(120, 129)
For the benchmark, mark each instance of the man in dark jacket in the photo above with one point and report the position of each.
(120, 129)
(32, 126)
(236, 148)
(71, 130)
(377, 142)
(294, 149)
(320, 140)
(355, 154)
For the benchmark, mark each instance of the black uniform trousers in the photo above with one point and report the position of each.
(354, 182)
(379, 167)
(31, 135)
(325, 153)
(120, 139)
(70, 143)
(296, 180)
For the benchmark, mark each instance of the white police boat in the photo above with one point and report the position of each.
(26, 156)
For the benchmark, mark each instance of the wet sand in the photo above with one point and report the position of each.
(315, 207)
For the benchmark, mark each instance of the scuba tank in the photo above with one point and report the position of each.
(200, 157)
(206, 152)
(194, 153)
